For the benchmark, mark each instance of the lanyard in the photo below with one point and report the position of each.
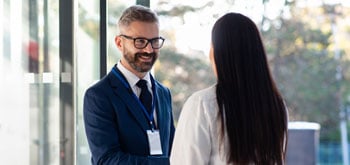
(126, 85)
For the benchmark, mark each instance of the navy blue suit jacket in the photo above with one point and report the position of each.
(116, 126)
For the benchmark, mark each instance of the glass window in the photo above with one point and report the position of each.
(29, 82)
(88, 64)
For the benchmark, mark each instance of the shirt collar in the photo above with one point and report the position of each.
(131, 77)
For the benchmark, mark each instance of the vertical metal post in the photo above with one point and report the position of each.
(45, 90)
(103, 38)
(66, 91)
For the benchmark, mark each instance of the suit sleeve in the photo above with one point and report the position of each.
(103, 136)
(172, 126)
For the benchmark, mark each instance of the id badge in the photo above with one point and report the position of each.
(154, 142)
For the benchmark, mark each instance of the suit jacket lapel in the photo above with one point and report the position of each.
(126, 96)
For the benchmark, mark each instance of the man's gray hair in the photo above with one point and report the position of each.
(137, 13)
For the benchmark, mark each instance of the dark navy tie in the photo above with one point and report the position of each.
(145, 96)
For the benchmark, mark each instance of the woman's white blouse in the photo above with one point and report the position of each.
(196, 140)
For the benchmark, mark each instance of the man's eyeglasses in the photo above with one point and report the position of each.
(141, 43)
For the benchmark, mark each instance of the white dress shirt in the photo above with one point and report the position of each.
(133, 79)
(196, 138)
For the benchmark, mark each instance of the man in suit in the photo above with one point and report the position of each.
(125, 122)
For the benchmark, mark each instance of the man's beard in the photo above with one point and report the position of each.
(136, 64)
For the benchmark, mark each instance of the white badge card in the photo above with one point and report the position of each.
(154, 142)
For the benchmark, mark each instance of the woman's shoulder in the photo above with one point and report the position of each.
(206, 94)
(204, 100)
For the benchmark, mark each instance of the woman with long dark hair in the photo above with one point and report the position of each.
(242, 119)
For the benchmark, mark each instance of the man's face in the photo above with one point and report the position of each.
(138, 61)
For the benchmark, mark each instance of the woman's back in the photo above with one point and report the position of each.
(196, 140)
(242, 119)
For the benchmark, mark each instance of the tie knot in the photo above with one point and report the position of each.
(142, 84)
(145, 96)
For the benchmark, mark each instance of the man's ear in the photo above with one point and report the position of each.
(118, 42)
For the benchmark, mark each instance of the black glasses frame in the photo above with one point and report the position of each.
(142, 40)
